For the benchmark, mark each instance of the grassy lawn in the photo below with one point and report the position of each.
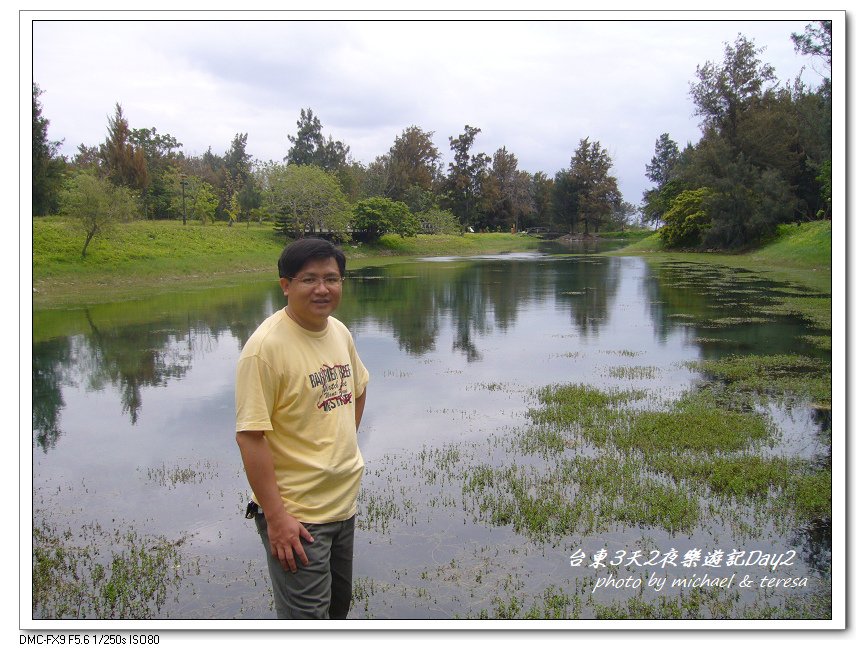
(159, 255)
(800, 253)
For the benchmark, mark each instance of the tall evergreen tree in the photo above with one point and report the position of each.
(124, 164)
(309, 146)
(47, 165)
(725, 92)
(505, 192)
(465, 174)
(657, 200)
(159, 151)
(586, 192)
(413, 165)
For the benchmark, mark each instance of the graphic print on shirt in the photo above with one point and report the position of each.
(334, 384)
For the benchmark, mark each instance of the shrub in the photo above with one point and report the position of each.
(686, 220)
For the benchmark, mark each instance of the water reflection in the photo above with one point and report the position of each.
(147, 343)
(454, 347)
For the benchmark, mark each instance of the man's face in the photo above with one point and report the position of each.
(314, 293)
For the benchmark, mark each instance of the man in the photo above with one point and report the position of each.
(300, 395)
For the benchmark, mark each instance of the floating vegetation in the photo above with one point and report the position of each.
(103, 574)
(577, 496)
(732, 321)
(378, 509)
(817, 310)
(818, 342)
(401, 374)
(698, 603)
(778, 375)
(493, 386)
(633, 372)
(624, 353)
(566, 355)
(173, 476)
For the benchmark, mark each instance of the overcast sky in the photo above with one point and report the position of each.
(534, 87)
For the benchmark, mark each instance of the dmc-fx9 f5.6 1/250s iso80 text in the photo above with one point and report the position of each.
(89, 639)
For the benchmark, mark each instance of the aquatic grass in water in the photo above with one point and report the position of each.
(599, 416)
(777, 375)
(633, 372)
(577, 496)
(811, 495)
(74, 579)
(173, 476)
(690, 428)
(738, 476)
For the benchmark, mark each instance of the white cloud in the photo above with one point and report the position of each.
(535, 87)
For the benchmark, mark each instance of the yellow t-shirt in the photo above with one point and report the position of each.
(299, 387)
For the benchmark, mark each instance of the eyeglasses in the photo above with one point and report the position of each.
(310, 281)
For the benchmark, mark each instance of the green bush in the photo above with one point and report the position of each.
(377, 216)
(686, 220)
(440, 222)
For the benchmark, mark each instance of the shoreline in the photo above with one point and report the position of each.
(66, 281)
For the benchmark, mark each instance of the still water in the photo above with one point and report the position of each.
(133, 422)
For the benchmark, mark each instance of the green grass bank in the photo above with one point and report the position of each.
(159, 255)
(799, 253)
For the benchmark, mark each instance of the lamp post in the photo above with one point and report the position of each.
(183, 184)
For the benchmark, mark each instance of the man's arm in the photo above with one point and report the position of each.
(359, 404)
(283, 530)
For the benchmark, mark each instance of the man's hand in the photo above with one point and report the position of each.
(285, 534)
(284, 531)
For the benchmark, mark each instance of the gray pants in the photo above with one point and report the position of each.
(322, 589)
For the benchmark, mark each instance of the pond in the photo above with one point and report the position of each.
(476, 503)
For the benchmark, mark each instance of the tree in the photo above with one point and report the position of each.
(761, 149)
(621, 215)
(825, 179)
(687, 219)
(248, 199)
(465, 174)
(746, 206)
(657, 200)
(159, 151)
(307, 141)
(505, 192)
(124, 164)
(173, 179)
(236, 177)
(86, 158)
(95, 205)
(542, 199)
(305, 198)
(309, 147)
(660, 168)
(238, 163)
(816, 41)
(814, 118)
(233, 209)
(439, 222)
(413, 165)
(725, 92)
(376, 216)
(204, 200)
(47, 165)
(586, 192)
(211, 168)
(375, 177)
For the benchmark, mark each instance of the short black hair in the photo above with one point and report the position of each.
(295, 256)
